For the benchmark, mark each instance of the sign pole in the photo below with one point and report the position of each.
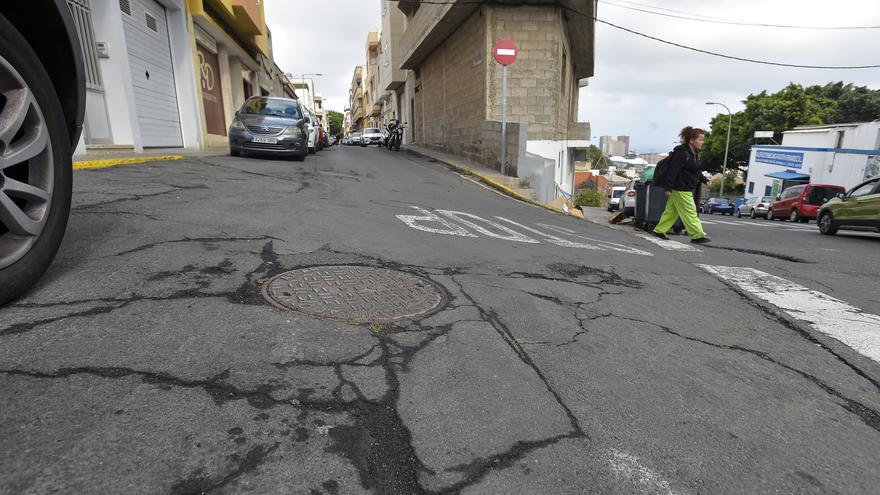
(504, 120)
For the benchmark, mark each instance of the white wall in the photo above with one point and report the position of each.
(185, 79)
(107, 20)
(560, 153)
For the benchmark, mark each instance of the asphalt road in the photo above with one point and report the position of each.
(566, 357)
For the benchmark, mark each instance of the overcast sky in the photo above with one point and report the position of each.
(641, 88)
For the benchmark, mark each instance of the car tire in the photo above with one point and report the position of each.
(24, 259)
(794, 217)
(752, 214)
(311, 150)
(770, 215)
(739, 213)
(233, 152)
(827, 225)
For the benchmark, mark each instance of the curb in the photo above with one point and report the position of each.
(112, 162)
(489, 182)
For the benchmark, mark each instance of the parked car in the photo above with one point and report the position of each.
(371, 135)
(720, 205)
(801, 203)
(311, 128)
(41, 59)
(628, 199)
(269, 125)
(355, 139)
(858, 208)
(755, 207)
(614, 197)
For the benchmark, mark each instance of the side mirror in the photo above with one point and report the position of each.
(841, 195)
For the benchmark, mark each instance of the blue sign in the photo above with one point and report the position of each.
(781, 158)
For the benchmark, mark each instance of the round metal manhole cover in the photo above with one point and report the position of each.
(354, 293)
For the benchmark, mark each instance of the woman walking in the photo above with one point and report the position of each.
(681, 179)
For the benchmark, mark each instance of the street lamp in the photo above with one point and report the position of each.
(726, 146)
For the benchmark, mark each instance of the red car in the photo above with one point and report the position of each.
(801, 203)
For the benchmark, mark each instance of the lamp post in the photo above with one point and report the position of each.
(726, 146)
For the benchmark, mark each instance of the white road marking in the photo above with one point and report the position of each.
(606, 244)
(427, 216)
(727, 223)
(552, 239)
(707, 222)
(629, 467)
(833, 317)
(669, 245)
(509, 234)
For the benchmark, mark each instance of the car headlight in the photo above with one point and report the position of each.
(237, 125)
(294, 131)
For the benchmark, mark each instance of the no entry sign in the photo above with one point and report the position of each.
(505, 51)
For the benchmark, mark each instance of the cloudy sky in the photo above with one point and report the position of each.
(641, 88)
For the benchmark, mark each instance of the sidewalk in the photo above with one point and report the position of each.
(489, 176)
(110, 157)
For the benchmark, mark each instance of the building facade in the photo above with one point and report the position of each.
(357, 100)
(452, 88)
(171, 73)
(141, 82)
(842, 154)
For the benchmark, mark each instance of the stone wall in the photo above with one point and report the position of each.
(541, 87)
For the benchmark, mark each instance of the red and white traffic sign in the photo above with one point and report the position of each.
(505, 51)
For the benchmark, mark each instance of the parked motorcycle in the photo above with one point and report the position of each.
(394, 134)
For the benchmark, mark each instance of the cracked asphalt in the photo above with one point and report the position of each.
(147, 361)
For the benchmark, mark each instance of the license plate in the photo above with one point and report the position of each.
(266, 140)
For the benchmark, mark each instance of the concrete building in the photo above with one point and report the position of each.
(452, 96)
(841, 154)
(391, 76)
(614, 147)
(140, 77)
(232, 49)
(372, 85)
(357, 99)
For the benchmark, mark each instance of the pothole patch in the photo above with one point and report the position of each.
(354, 293)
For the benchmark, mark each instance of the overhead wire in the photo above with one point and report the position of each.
(719, 20)
(660, 40)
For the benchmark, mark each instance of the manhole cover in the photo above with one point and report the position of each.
(354, 293)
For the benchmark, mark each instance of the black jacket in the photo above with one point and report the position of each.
(683, 170)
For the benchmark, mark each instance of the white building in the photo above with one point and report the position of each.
(140, 77)
(841, 154)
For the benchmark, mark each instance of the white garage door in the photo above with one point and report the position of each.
(149, 57)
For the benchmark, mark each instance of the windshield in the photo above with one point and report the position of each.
(371, 130)
(617, 193)
(819, 195)
(272, 106)
(768, 199)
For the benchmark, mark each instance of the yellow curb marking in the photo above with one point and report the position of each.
(112, 162)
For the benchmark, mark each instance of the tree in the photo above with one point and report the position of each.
(335, 122)
(794, 105)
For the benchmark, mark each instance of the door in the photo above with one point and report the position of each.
(152, 73)
(866, 210)
(212, 93)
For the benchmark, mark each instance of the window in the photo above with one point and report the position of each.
(840, 139)
(751, 187)
(125, 6)
(151, 22)
(272, 106)
(768, 191)
(864, 189)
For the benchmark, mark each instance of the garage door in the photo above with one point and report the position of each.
(149, 57)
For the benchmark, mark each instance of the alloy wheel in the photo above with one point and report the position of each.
(26, 167)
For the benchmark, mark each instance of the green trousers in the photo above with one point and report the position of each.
(681, 204)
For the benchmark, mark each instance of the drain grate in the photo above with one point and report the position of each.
(354, 293)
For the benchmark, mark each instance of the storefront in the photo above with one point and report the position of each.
(842, 155)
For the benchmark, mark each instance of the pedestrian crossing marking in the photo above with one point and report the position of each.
(669, 245)
(833, 317)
